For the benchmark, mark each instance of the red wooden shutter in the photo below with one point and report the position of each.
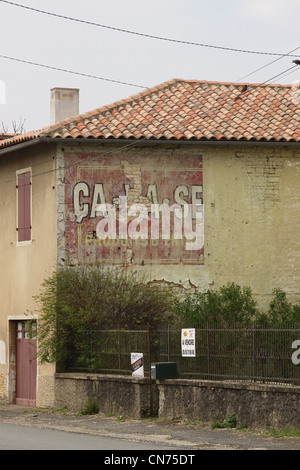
(24, 209)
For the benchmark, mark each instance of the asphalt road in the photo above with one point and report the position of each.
(19, 437)
(26, 428)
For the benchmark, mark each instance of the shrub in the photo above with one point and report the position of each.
(91, 408)
(230, 303)
(281, 310)
(229, 422)
(75, 302)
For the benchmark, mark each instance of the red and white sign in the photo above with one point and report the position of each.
(137, 364)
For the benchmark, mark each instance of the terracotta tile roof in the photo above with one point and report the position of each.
(188, 110)
(6, 136)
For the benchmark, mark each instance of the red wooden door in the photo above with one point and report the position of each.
(26, 364)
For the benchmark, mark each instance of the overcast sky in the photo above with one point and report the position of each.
(257, 25)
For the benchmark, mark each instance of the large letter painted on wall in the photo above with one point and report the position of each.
(146, 210)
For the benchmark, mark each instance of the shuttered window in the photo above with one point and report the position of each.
(24, 206)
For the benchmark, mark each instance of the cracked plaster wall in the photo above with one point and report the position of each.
(251, 216)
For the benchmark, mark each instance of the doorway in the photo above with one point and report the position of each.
(26, 363)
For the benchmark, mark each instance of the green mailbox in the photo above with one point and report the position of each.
(163, 370)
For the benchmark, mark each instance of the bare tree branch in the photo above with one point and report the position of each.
(18, 127)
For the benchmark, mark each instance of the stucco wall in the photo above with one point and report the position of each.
(24, 266)
(251, 221)
(251, 212)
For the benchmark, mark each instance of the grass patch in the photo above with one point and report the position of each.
(91, 408)
(285, 432)
(229, 422)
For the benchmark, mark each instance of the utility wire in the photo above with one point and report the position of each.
(285, 75)
(137, 142)
(50, 67)
(110, 152)
(150, 36)
(109, 79)
(267, 65)
(276, 76)
(69, 71)
(247, 88)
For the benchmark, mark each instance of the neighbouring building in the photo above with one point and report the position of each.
(228, 153)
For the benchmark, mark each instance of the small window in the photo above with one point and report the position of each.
(24, 206)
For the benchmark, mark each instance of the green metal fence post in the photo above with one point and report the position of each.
(150, 379)
(253, 352)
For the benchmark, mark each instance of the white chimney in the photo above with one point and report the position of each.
(64, 104)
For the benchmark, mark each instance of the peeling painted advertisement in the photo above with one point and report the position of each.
(141, 212)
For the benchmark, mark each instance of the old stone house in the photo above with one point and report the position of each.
(230, 150)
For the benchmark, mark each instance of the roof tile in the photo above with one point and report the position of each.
(187, 110)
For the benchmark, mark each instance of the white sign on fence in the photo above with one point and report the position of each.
(137, 364)
(188, 345)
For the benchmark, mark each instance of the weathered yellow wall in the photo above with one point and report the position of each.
(251, 227)
(251, 215)
(23, 267)
(251, 222)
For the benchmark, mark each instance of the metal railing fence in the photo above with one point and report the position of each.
(256, 353)
(109, 351)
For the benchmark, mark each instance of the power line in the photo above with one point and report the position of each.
(267, 65)
(54, 170)
(138, 141)
(276, 76)
(51, 67)
(150, 36)
(70, 71)
(246, 89)
(285, 75)
(114, 80)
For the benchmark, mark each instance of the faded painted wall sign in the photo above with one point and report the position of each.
(139, 212)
